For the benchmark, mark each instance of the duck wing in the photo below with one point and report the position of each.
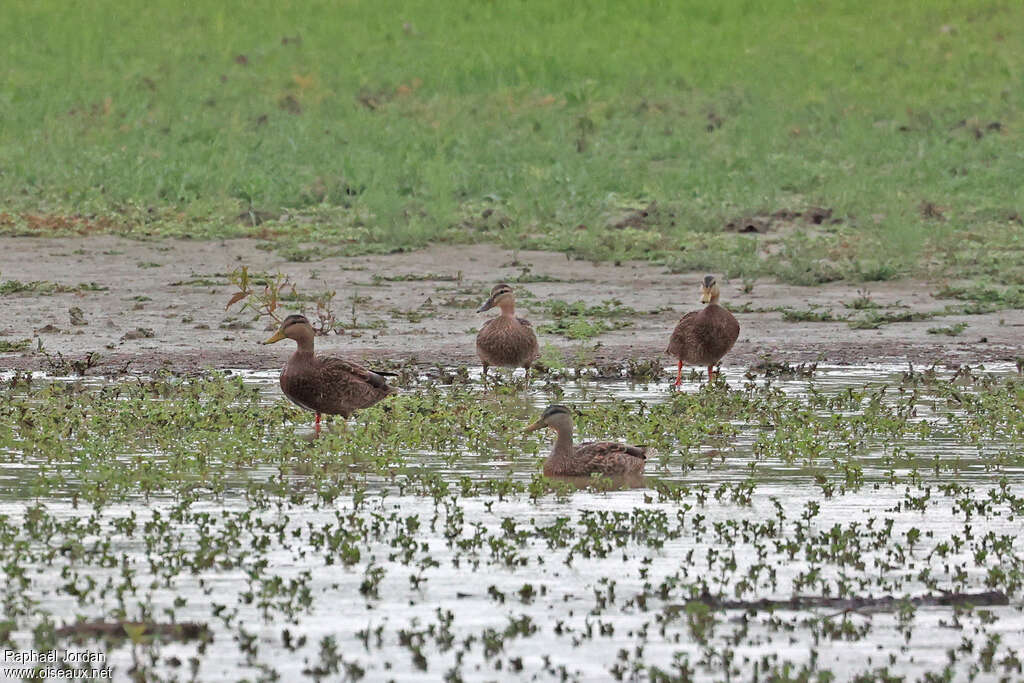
(333, 385)
(684, 336)
(340, 371)
(608, 457)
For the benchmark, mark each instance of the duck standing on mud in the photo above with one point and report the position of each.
(506, 341)
(326, 384)
(704, 337)
(602, 457)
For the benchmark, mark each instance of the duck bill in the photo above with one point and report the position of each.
(705, 296)
(539, 424)
(276, 338)
(487, 305)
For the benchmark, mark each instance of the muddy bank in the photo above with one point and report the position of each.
(151, 305)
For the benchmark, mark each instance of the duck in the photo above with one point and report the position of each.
(602, 457)
(325, 384)
(506, 340)
(704, 337)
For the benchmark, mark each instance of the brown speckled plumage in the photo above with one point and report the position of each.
(601, 457)
(506, 341)
(331, 385)
(325, 384)
(704, 337)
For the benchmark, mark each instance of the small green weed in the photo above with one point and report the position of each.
(875, 319)
(949, 331)
(419, 277)
(863, 302)
(7, 346)
(811, 315)
(46, 288)
(578, 321)
(998, 297)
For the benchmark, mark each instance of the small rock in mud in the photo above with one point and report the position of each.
(256, 217)
(49, 329)
(977, 128)
(755, 224)
(138, 333)
(817, 215)
(77, 316)
(762, 223)
(290, 104)
(635, 219)
(932, 211)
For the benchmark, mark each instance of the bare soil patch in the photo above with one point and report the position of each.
(161, 304)
(769, 222)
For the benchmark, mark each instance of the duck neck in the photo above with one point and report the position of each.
(563, 444)
(304, 340)
(508, 309)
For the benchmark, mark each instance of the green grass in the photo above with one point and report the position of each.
(373, 126)
(949, 331)
(7, 346)
(46, 288)
(576, 320)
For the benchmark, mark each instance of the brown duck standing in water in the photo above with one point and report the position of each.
(325, 384)
(604, 457)
(506, 341)
(704, 337)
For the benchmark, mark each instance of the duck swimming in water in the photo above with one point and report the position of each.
(602, 457)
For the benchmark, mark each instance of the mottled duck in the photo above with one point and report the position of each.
(703, 337)
(325, 384)
(603, 457)
(506, 340)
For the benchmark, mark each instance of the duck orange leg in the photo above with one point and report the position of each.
(711, 374)
(679, 374)
(316, 425)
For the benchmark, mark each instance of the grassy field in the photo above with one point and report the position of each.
(372, 126)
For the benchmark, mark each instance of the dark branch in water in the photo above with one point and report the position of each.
(128, 629)
(985, 599)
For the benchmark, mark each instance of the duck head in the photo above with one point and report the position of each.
(501, 296)
(558, 418)
(295, 327)
(709, 291)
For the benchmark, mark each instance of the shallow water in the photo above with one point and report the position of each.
(610, 567)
